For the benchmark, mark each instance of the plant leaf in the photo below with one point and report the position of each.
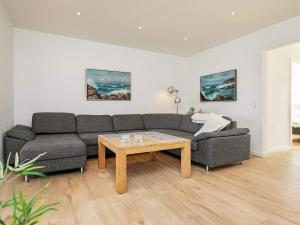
(34, 159)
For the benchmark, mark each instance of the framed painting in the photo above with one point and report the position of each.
(219, 87)
(108, 85)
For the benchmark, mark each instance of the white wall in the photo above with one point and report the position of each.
(6, 75)
(247, 55)
(295, 92)
(50, 76)
(278, 96)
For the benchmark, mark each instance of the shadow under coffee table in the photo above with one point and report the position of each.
(152, 142)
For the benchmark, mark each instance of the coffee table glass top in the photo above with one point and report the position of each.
(152, 134)
(148, 138)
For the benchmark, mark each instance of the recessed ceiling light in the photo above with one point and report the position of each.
(185, 38)
(78, 13)
(232, 13)
(140, 27)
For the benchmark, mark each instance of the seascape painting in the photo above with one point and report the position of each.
(218, 86)
(108, 85)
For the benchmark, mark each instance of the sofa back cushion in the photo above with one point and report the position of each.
(53, 123)
(94, 123)
(188, 125)
(128, 122)
(162, 121)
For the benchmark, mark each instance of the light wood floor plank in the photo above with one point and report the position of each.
(263, 191)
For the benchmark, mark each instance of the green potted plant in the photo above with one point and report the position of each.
(25, 210)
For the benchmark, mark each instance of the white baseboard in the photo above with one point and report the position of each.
(279, 149)
(265, 154)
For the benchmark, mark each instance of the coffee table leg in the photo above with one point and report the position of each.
(101, 155)
(186, 160)
(152, 156)
(121, 173)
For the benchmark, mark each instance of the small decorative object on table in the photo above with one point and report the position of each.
(138, 138)
(125, 138)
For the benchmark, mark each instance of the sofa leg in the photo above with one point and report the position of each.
(81, 170)
(207, 169)
(26, 179)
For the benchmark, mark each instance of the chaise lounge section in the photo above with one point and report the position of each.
(53, 133)
(69, 139)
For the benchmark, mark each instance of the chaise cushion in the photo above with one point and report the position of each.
(57, 146)
(225, 133)
(162, 121)
(53, 123)
(94, 123)
(181, 134)
(128, 122)
(21, 132)
(188, 125)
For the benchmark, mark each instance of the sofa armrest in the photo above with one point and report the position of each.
(225, 133)
(21, 132)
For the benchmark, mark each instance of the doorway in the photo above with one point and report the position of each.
(295, 104)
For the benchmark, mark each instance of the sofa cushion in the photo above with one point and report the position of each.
(57, 146)
(92, 138)
(128, 122)
(188, 125)
(21, 132)
(94, 123)
(53, 123)
(89, 138)
(225, 133)
(181, 134)
(162, 121)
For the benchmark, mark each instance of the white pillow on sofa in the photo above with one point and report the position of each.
(200, 117)
(214, 123)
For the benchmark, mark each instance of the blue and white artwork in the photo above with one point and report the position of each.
(218, 86)
(108, 85)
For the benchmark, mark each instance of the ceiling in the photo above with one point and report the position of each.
(165, 23)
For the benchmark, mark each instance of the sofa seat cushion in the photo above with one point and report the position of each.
(128, 122)
(57, 146)
(225, 133)
(89, 138)
(94, 123)
(92, 138)
(181, 134)
(53, 123)
(162, 121)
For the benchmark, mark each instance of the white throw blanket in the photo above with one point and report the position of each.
(212, 122)
(200, 117)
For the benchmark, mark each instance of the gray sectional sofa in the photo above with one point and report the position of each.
(69, 139)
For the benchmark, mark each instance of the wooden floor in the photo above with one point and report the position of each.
(263, 191)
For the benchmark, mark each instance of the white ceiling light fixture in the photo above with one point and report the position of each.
(140, 27)
(78, 8)
(185, 38)
(232, 13)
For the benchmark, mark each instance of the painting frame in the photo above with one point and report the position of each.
(219, 97)
(106, 71)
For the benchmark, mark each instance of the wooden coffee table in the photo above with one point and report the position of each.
(152, 142)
